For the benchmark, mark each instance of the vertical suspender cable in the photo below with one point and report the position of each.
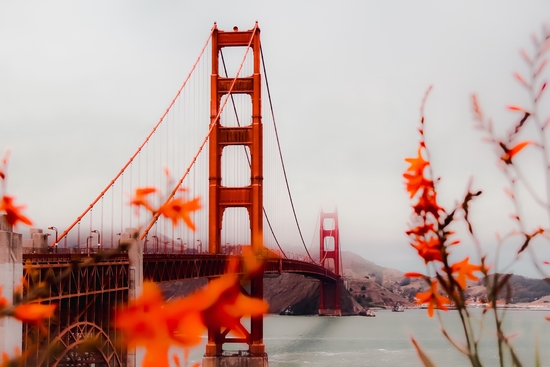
(281, 157)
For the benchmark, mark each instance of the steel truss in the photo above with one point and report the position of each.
(82, 331)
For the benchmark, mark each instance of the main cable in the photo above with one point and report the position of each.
(281, 157)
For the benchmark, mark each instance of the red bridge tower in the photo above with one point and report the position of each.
(249, 197)
(329, 298)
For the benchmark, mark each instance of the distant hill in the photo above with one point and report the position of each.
(366, 285)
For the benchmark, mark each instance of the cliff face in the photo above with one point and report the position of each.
(299, 295)
(366, 285)
(295, 293)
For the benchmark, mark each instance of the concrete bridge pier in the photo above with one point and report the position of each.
(235, 361)
(130, 237)
(329, 298)
(11, 272)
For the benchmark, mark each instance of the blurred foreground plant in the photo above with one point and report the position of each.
(156, 324)
(433, 239)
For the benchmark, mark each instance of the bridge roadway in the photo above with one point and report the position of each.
(86, 293)
(164, 267)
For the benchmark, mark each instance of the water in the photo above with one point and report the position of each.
(384, 340)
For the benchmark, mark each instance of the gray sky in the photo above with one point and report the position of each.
(346, 78)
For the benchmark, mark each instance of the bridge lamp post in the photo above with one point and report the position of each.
(156, 244)
(98, 238)
(88, 244)
(181, 244)
(52, 228)
(199, 246)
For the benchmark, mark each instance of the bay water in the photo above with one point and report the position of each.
(384, 340)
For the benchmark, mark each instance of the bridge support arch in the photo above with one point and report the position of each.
(329, 252)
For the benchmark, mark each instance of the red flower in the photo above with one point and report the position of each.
(415, 174)
(34, 313)
(177, 209)
(427, 203)
(417, 164)
(13, 212)
(421, 230)
(433, 299)
(155, 324)
(415, 183)
(464, 271)
(140, 197)
(510, 153)
(429, 250)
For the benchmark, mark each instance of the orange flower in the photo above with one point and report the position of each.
(433, 299)
(140, 198)
(144, 322)
(427, 203)
(414, 274)
(510, 153)
(421, 230)
(13, 212)
(18, 359)
(464, 271)
(253, 260)
(151, 322)
(417, 164)
(34, 313)
(3, 300)
(429, 250)
(415, 174)
(228, 304)
(177, 209)
(415, 183)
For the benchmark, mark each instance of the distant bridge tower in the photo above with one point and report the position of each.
(249, 197)
(329, 298)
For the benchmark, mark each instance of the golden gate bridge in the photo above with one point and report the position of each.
(214, 141)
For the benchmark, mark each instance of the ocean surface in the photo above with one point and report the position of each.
(384, 340)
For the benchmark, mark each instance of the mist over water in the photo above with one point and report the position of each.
(293, 341)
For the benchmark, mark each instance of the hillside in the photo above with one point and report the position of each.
(366, 285)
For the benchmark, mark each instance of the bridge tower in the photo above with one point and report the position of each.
(249, 197)
(329, 297)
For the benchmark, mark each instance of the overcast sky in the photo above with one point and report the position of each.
(346, 77)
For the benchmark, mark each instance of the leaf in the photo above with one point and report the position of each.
(514, 108)
(477, 110)
(423, 356)
(509, 153)
(542, 88)
(541, 67)
(515, 150)
(525, 56)
(520, 79)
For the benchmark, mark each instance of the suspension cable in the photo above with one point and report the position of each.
(143, 144)
(213, 123)
(281, 157)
